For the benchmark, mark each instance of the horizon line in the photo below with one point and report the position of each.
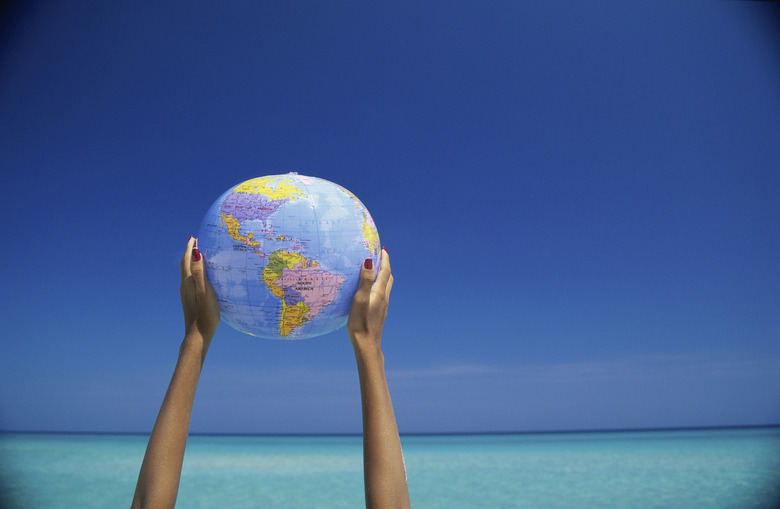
(412, 434)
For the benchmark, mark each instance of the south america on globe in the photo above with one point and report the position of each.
(284, 252)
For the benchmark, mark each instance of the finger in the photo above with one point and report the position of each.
(388, 288)
(384, 270)
(186, 261)
(367, 275)
(198, 268)
(365, 283)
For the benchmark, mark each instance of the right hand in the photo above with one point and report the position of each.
(369, 305)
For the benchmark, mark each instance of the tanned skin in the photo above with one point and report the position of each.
(384, 471)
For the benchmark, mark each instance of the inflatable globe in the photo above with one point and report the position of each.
(284, 254)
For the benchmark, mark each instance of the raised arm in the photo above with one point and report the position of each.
(383, 463)
(158, 481)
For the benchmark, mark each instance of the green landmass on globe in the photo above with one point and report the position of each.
(284, 252)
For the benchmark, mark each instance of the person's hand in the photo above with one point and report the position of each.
(369, 305)
(198, 302)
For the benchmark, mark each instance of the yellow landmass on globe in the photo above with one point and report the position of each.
(295, 315)
(233, 225)
(259, 186)
(292, 316)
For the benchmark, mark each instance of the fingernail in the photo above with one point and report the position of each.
(385, 249)
(196, 254)
(368, 264)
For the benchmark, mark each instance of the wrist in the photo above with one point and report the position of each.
(194, 344)
(368, 353)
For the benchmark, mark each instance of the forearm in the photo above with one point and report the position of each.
(384, 470)
(158, 481)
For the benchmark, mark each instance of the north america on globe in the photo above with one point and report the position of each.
(283, 253)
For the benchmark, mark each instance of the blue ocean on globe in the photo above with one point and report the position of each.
(284, 253)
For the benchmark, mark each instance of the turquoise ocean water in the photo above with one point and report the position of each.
(719, 468)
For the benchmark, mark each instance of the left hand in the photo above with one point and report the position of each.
(198, 301)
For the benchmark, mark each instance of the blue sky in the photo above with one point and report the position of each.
(581, 202)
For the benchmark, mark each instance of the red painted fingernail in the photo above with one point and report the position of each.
(385, 249)
(368, 264)
(196, 254)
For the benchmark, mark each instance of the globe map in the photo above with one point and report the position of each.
(283, 254)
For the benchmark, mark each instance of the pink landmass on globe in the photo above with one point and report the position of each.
(315, 287)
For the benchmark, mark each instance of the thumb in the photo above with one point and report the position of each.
(367, 274)
(198, 270)
(366, 281)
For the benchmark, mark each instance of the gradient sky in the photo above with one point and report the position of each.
(581, 201)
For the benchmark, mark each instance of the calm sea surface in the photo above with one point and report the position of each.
(732, 468)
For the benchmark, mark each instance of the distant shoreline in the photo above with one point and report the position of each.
(411, 434)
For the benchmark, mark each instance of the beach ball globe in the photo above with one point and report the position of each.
(284, 252)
